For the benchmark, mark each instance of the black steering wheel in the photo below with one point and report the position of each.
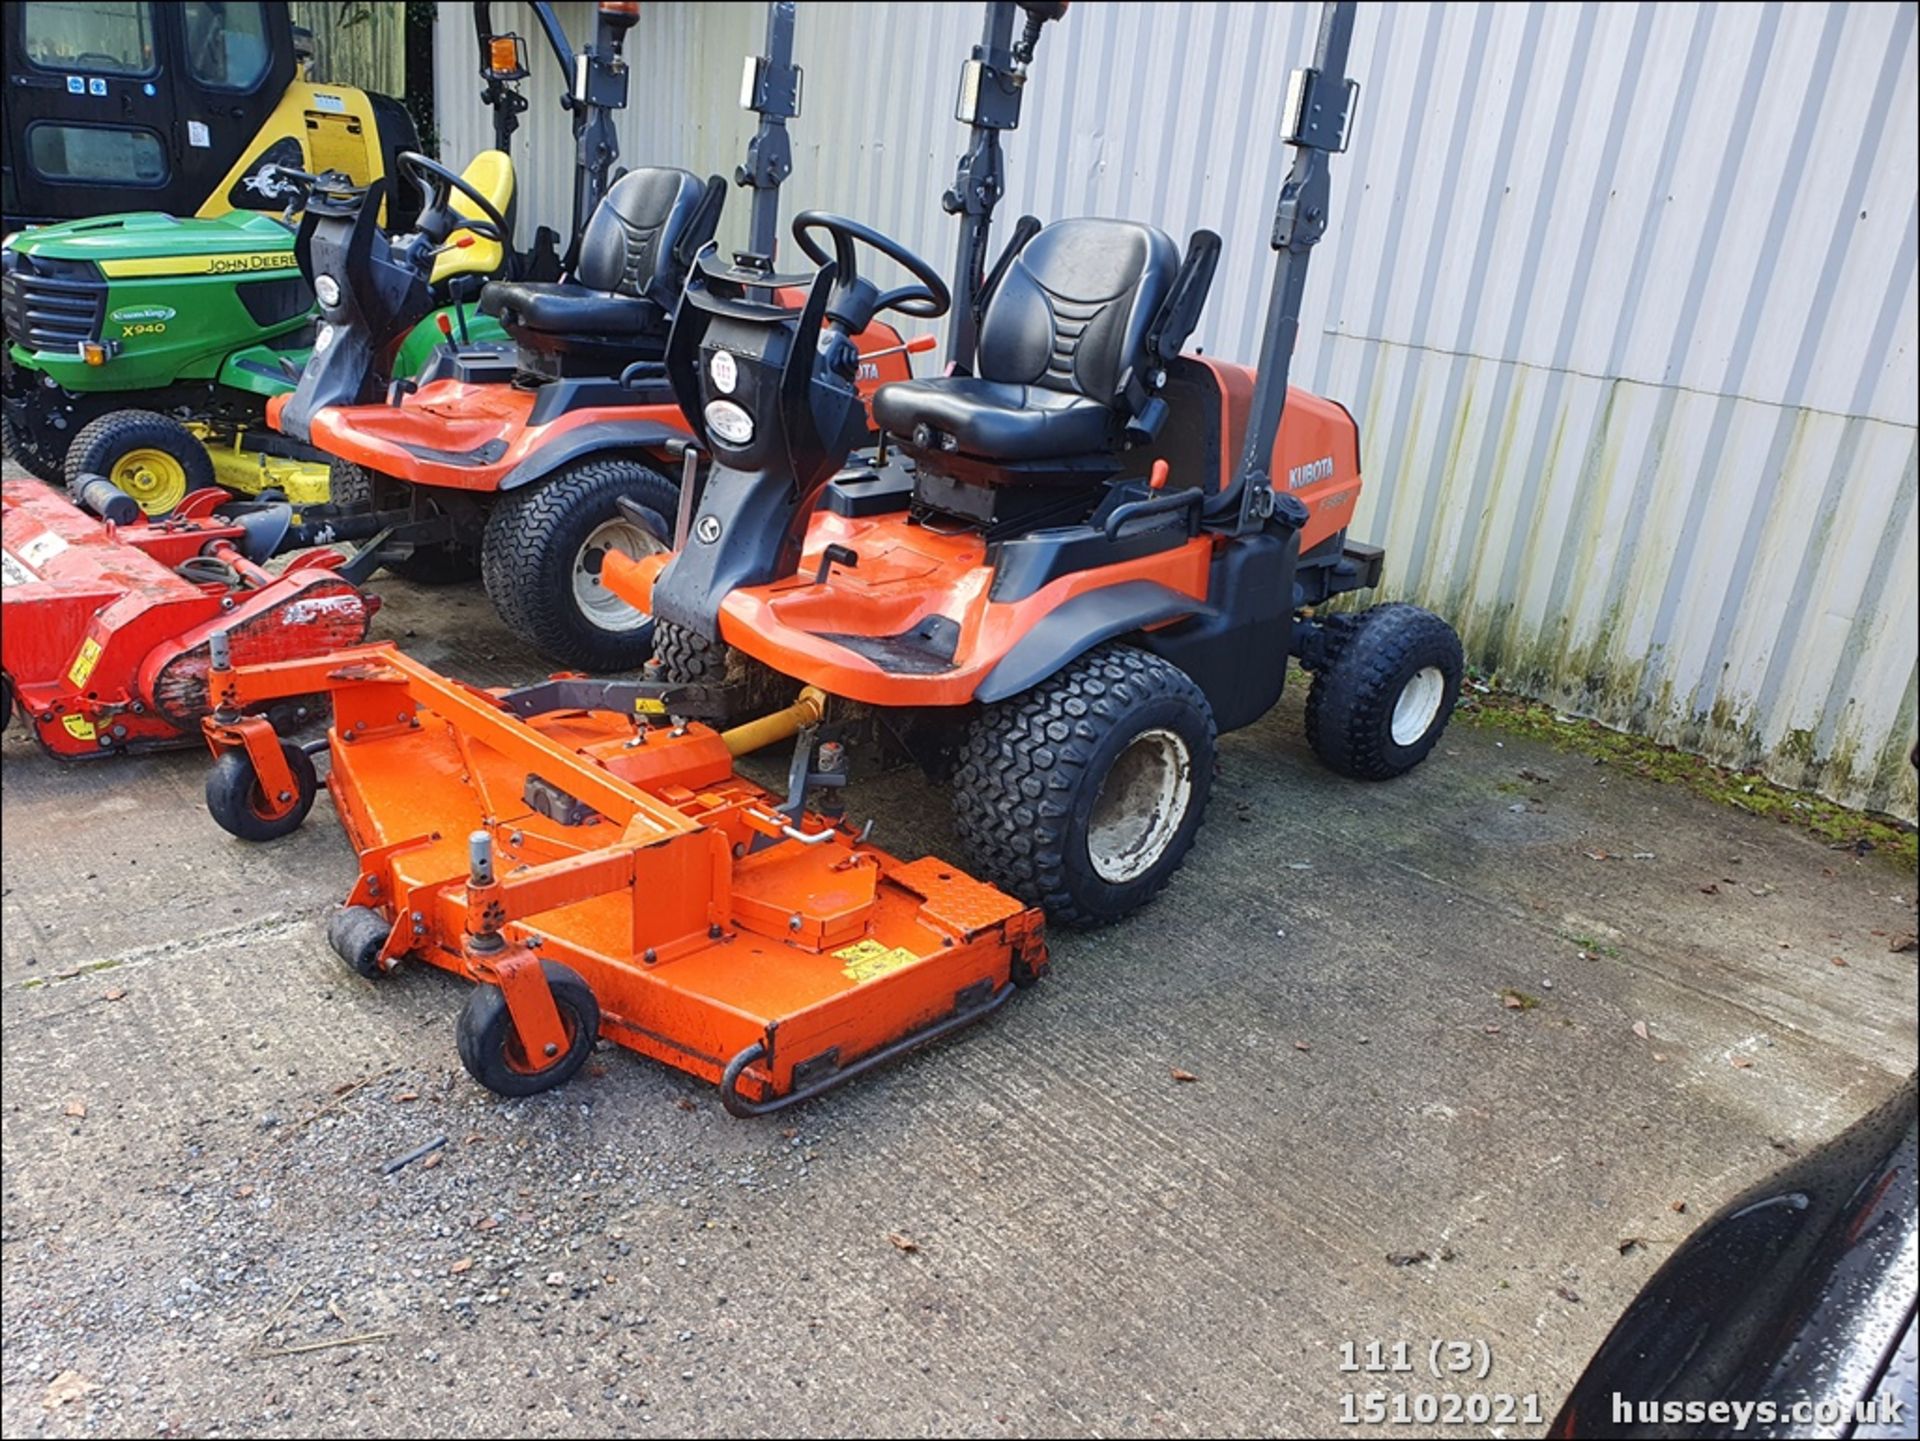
(926, 301)
(438, 219)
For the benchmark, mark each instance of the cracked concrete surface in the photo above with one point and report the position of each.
(1095, 1247)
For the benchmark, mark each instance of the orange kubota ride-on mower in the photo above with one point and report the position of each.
(520, 455)
(583, 848)
(1087, 556)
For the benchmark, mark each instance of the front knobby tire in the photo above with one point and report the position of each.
(543, 551)
(1083, 795)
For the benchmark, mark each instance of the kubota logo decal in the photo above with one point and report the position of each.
(706, 530)
(1311, 472)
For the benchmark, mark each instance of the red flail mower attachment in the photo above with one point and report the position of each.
(105, 625)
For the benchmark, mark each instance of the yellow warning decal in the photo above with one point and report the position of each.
(646, 705)
(201, 264)
(867, 960)
(83, 665)
(79, 727)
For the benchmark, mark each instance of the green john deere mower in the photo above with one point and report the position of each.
(144, 346)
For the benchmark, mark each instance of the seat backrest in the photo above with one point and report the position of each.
(1072, 311)
(632, 242)
(491, 173)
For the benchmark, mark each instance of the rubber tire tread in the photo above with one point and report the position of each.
(1025, 783)
(530, 581)
(1349, 720)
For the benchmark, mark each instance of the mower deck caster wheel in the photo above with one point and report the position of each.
(236, 802)
(358, 934)
(490, 1048)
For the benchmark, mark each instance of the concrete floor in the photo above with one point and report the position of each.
(1091, 1246)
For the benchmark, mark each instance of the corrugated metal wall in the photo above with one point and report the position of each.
(1624, 297)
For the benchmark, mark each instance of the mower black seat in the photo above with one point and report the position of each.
(633, 261)
(1064, 333)
(996, 419)
(559, 307)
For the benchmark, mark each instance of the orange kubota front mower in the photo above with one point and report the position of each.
(516, 459)
(1086, 556)
(583, 848)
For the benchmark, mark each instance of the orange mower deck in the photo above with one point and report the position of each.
(714, 933)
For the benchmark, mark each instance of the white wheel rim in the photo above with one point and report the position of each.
(598, 604)
(1142, 801)
(1419, 703)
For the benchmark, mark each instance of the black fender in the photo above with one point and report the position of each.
(1075, 627)
(596, 438)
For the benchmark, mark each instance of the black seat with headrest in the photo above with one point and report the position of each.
(1063, 343)
(633, 261)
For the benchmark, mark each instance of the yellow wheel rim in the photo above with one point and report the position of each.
(155, 479)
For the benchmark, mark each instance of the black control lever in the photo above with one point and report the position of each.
(834, 555)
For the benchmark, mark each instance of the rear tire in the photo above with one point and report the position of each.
(40, 464)
(490, 1048)
(542, 554)
(1083, 795)
(237, 804)
(152, 457)
(1383, 702)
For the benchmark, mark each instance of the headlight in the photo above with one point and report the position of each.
(328, 289)
(323, 339)
(729, 422)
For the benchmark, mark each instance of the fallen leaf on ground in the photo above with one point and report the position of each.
(485, 1223)
(1640, 1030)
(903, 1243)
(1180, 1075)
(1630, 1244)
(1660, 1056)
(1743, 1062)
(684, 1104)
(67, 1386)
(1904, 943)
(115, 993)
(77, 1109)
(1407, 1258)
(243, 1191)
(431, 1161)
(1491, 1029)
(462, 1266)
(405, 1096)
(1677, 1207)
(1597, 856)
(1711, 888)
(1839, 960)
(1303, 1045)
(1567, 1293)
